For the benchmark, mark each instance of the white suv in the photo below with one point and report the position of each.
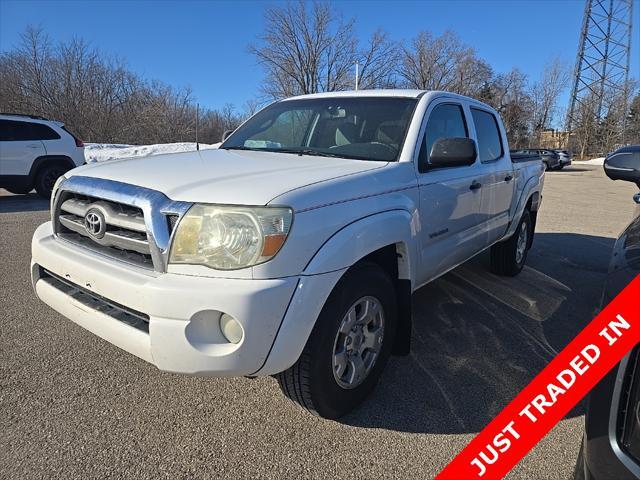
(34, 152)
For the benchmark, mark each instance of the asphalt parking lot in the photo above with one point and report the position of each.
(74, 406)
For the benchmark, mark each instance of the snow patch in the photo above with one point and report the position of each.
(101, 152)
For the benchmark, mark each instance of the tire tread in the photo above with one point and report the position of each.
(502, 254)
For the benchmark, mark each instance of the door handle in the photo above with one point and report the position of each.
(475, 185)
(33, 146)
(508, 178)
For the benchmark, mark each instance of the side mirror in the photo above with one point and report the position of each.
(452, 152)
(226, 134)
(623, 166)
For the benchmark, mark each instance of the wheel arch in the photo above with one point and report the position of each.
(530, 199)
(46, 160)
(370, 237)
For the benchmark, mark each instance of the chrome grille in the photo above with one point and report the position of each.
(125, 228)
(128, 223)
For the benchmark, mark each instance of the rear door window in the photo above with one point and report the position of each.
(489, 142)
(42, 132)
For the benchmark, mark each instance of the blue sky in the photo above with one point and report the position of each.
(203, 44)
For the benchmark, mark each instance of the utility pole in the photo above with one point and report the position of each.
(357, 79)
(197, 121)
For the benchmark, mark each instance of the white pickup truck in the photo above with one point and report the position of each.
(293, 249)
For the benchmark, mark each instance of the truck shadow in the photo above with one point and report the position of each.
(478, 339)
(583, 168)
(31, 202)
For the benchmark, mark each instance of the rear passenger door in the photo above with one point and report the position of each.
(496, 175)
(18, 148)
(449, 200)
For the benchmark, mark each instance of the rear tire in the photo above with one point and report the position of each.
(46, 179)
(508, 257)
(328, 380)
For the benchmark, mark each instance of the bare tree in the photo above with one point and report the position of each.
(632, 134)
(305, 48)
(378, 62)
(585, 129)
(615, 122)
(508, 94)
(545, 94)
(309, 48)
(442, 63)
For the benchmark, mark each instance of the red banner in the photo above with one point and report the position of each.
(553, 392)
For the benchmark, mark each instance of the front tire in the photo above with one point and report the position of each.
(348, 347)
(508, 257)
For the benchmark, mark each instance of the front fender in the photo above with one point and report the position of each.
(322, 273)
(366, 235)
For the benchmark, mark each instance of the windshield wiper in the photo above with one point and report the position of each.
(296, 151)
(319, 153)
(241, 147)
(308, 151)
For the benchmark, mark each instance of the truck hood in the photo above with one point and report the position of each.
(225, 176)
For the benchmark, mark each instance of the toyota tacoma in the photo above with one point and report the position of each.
(293, 249)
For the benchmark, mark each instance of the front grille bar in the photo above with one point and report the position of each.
(147, 234)
(122, 239)
(126, 220)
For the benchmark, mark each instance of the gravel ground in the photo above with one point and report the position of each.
(74, 406)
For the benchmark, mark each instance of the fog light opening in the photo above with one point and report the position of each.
(231, 328)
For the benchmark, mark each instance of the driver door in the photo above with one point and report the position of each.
(449, 200)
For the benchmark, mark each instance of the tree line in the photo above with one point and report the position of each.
(305, 47)
(99, 98)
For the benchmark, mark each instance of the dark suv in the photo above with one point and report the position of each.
(611, 445)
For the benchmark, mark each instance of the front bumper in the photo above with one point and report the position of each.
(183, 311)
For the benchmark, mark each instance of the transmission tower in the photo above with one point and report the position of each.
(602, 63)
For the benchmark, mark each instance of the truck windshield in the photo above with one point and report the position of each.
(362, 128)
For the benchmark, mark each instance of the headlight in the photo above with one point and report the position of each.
(229, 238)
(60, 179)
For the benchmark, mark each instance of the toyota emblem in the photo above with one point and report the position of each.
(94, 223)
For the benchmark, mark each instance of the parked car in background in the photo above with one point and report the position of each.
(35, 152)
(550, 158)
(622, 164)
(611, 444)
(565, 158)
(293, 249)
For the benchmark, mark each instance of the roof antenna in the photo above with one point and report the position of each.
(197, 110)
(357, 76)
